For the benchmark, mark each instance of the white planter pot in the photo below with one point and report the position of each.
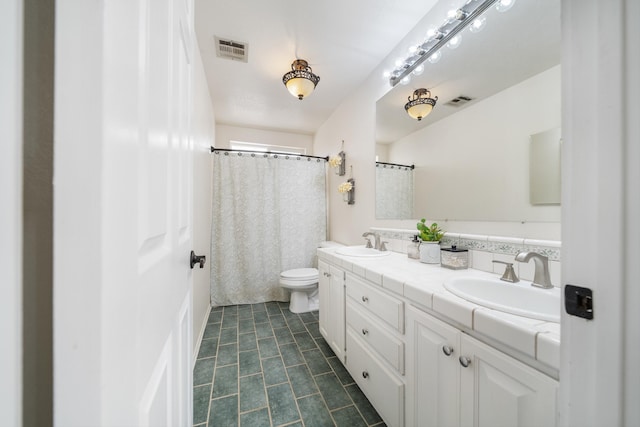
(430, 252)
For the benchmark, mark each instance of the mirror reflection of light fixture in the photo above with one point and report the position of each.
(300, 81)
(420, 104)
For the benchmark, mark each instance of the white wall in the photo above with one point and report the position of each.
(203, 130)
(226, 133)
(354, 122)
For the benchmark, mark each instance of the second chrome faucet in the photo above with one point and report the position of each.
(378, 245)
(541, 278)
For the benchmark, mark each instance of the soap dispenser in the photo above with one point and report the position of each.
(413, 249)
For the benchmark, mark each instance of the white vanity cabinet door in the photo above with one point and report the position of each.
(383, 388)
(332, 311)
(433, 371)
(337, 312)
(497, 390)
(324, 287)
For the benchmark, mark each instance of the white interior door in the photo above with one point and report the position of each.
(136, 363)
(11, 213)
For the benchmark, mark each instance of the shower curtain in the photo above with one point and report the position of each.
(269, 215)
(394, 191)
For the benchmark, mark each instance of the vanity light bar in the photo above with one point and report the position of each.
(452, 26)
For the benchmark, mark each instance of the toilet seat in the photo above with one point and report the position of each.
(299, 278)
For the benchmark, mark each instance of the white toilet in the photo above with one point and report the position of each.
(303, 285)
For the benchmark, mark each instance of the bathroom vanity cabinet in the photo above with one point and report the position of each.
(455, 380)
(416, 367)
(331, 288)
(375, 343)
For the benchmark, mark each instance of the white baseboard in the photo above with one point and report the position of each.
(201, 335)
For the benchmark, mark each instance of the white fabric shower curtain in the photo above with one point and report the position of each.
(269, 215)
(394, 192)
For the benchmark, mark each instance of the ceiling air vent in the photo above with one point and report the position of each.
(230, 49)
(459, 101)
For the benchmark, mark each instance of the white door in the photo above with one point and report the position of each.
(123, 209)
(11, 213)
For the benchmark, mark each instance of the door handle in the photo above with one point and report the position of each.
(197, 259)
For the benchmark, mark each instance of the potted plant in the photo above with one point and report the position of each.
(430, 245)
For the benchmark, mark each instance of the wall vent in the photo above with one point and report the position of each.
(459, 101)
(229, 49)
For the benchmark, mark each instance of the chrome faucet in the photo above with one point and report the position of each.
(377, 239)
(541, 275)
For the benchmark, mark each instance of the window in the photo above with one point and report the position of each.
(252, 146)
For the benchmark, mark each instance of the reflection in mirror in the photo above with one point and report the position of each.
(472, 158)
(394, 191)
(544, 168)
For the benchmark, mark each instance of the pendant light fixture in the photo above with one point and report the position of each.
(300, 81)
(420, 104)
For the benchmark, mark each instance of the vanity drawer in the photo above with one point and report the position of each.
(381, 386)
(374, 334)
(382, 305)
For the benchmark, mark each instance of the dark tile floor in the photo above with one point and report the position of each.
(261, 365)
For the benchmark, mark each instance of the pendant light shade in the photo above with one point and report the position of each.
(420, 104)
(300, 81)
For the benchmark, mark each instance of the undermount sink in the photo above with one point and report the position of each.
(361, 251)
(519, 298)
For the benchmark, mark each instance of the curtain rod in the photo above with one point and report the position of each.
(270, 153)
(396, 164)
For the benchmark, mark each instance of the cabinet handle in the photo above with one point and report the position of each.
(327, 274)
(464, 361)
(364, 331)
(365, 374)
(365, 299)
(447, 349)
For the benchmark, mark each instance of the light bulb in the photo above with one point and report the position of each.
(399, 63)
(418, 70)
(386, 74)
(431, 33)
(454, 42)
(405, 80)
(504, 5)
(413, 49)
(435, 57)
(478, 24)
(452, 13)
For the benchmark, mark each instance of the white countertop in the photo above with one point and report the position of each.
(533, 341)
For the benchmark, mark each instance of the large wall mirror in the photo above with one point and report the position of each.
(472, 157)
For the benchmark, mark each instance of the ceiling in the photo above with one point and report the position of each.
(343, 41)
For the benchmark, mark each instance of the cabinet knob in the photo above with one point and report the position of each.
(447, 349)
(464, 361)
(365, 299)
(365, 374)
(364, 331)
